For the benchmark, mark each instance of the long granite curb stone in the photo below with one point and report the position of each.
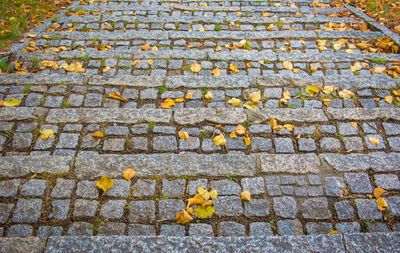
(286, 114)
(18, 166)
(208, 81)
(217, 115)
(127, 80)
(288, 163)
(363, 114)
(21, 245)
(90, 166)
(374, 242)
(16, 113)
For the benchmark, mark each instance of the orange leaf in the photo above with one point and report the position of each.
(183, 217)
(129, 173)
(378, 192)
(117, 96)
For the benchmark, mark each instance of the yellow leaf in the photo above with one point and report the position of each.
(135, 62)
(189, 95)
(47, 133)
(356, 66)
(202, 29)
(233, 135)
(208, 95)
(98, 134)
(388, 99)
(314, 68)
(198, 200)
(213, 194)
(155, 48)
(382, 204)
(12, 102)
(218, 48)
(337, 46)
(378, 192)
(346, 94)
(203, 192)
(247, 141)
(238, 13)
(234, 102)
(106, 69)
(50, 64)
(326, 101)
(219, 140)
(255, 97)
(204, 212)
(105, 183)
(168, 103)
(233, 68)
(129, 173)
(273, 122)
(312, 89)
(195, 68)
(183, 135)
(183, 217)
(287, 65)
(179, 100)
(286, 94)
(240, 130)
(353, 124)
(117, 96)
(216, 72)
(374, 140)
(277, 127)
(146, 47)
(31, 35)
(150, 62)
(334, 232)
(328, 89)
(249, 64)
(246, 195)
(296, 70)
(379, 70)
(395, 92)
(250, 105)
(289, 127)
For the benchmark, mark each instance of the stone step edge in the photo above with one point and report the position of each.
(182, 81)
(90, 165)
(368, 242)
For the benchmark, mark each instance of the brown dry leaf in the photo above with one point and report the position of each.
(298, 137)
(286, 97)
(289, 127)
(183, 217)
(238, 13)
(189, 95)
(388, 99)
(219, 140)
(346, 94)
(50, 64)
(273, 122)
(245, 195)
(378, 192)
(287, 65)
(240, 130)
(277, 127)
(395, 92)
(105, 183)
(356, 66)
(234, 102)
(168, 103)
(218, 48)
(374, 140)
(47, 133)
(195, 68)
(233, 68)
(32, 43)
(216, 72)
(183, 135)
(98, 134)
(353, 124)
(146, 47)
(117, 96)
(382, 204)
(247, 140)
(203, 192)
(334, 232)
(250, 105)
(129, 173)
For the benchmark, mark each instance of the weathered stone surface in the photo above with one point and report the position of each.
(374, 242)
(93, 166)
(112, 115)
(286, 114)
(193, 116)
(287, 163)
(20, 245)
(16, 113)
(363, 114)
(127, 80)
(208, 81)
(17, 166)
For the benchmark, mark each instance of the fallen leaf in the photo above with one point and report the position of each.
(129, 173)
(50, 64)
(105, 183)
(378, 192)
(374, 140)
(334, 232)
(203, 192)
(240, 130)
(314, 68)
(216, 72)
(179, 100)
(233, 68)
(312, 89)
(135, 62)
(337, 46)
(250, 105)
(12, 102)
(218, 48)
(286, 96)
(198, 200)
(353, 124)
(208, 95)
(388, 99)
(346, 94)
(155, 48)
(287, 65)
(247, 141)
(146, 47)
(328, 89)
(356, 66)
(106, 69)
(234, 102)
(273, 122)
(204, 212)
(249, 64)
(117, 96)
(195, 68)
(326, 101)
(213, 194)
(379, 70)
(98, 134)
(47, 133)
(245, 195)
(233, 135)
(255, 97)
(189, 95)
(395, 92)
(219, 140)
(183, 217)
(382, 204)
(168, 103)
(150, 62)
(202, 29)
(289, 127)
(183, 135)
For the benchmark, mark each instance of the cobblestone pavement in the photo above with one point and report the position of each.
(313, 179)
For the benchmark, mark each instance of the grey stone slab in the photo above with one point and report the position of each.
(256, 207)
(9, 188)
(20, 245)
(80, 229)
(208, 81)
(368, 209)
(112, 115)
(172, 230)
(85, 208)
(142, 211)
(363, 114)
(318, 228)
(334, 186)
(358, 182)
(316, 208)
(253, 185)
(165, 143)
(127, 80)
(174, 188)
(87, 189)
(144, 188)
(290, 163)
(111, 228)
(372, 242)
(5, 209)
(193, 116)
(344, 210)
(141, 230)
(20, 231)
(121, 188)
(60, 209)
(33, 187)
(94, 166)
(16, 113)
(230, 228)
(228, 206)
(286, 114)
(289, 227)
(168, 208)
(201, 230)
(113, 209)
(17, 166)
(27, 211)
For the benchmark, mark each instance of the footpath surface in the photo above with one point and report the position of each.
(314, 87)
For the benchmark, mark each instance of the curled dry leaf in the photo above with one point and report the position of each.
(240, 130)
(374, 140)
(233, 135)
(356, 66)
(379, 70)
(245, 195)
(249, 64)
(98, 134)
(233, 68)
(105, 183)
(382, 204)
(312, 89)
(208, 95)
(346, 94)
(388, 99)
(287, 65)
(234, 102)
(183, 135)
(219, 140)
(117, 96)
(216, 72)
(247, 141)
(168, 103)
(255, 97)
(198, 200)
(289, 127)
(183, 217)
(334, 232)
(150, 62)
(273, 122)
(106, 69)
(378, 192)
(314, 68)
(195, 68)
(203, 192)
(47, 133)
(129, 173)
(146, 47)
(326, 101)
